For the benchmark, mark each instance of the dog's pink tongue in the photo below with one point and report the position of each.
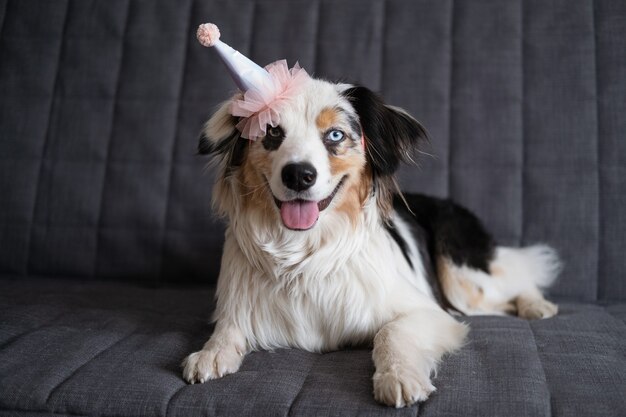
(298, 214)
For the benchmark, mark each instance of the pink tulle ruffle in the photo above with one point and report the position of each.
(261, 105)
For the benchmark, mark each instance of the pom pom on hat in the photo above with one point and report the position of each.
(208, 34)
(245, 72)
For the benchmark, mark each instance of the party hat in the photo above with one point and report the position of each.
(245, 72)
(266, 90)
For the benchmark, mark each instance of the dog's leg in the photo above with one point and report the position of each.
(406, 352)
(221, 355)
(532, 305)
(512, 286)
(520, 273)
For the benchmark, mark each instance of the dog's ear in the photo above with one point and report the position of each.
(221, 138)
(391, 136)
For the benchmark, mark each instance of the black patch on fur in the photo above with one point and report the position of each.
(423, 240)
(391, 228)
(204, 145)
(238, 152)
(443, 228)
(454, 231)
(391, 136)
(271, 143)
(234, 146)
(356, 127)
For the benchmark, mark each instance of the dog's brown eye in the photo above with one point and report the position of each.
(273, 138)
(275, 132)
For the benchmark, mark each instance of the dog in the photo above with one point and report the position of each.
(322, 251)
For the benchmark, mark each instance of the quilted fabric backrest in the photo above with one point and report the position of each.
(101, 103)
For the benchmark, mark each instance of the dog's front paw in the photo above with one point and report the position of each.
(401, 388)
(211, 363)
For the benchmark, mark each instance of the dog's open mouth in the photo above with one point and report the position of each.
(303, 214)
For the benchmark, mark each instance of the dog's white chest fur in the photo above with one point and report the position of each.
(317, 292)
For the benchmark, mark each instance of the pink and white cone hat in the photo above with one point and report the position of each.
(266, 90)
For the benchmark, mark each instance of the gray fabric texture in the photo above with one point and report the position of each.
(101, 103)
(113, 349)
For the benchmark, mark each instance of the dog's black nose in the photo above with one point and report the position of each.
(299, 177)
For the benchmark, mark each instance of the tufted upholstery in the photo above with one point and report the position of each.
(115, 350)
(101, 103)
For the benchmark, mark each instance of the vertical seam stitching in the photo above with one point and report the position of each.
(295, 398)
(159, 276)
(4, 18)
(316, 37)
(598, 176)
(383, 26)
(110, 144)
(46, 141)
(450, 96)
(171, 399)
(543, 369)
(521, 237)
(252, 26)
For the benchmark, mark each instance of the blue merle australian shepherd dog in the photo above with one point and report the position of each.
(322, 251)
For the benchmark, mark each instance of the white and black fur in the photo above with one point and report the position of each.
(376, 267)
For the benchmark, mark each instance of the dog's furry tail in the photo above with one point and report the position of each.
(538, 263)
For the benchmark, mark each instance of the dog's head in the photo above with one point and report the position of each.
(337, 146)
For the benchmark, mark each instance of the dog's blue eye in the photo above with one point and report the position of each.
(335, 136)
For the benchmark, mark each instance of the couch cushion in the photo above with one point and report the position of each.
(115, 349)
(101, 103)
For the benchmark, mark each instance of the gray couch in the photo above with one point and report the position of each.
(108, 250)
